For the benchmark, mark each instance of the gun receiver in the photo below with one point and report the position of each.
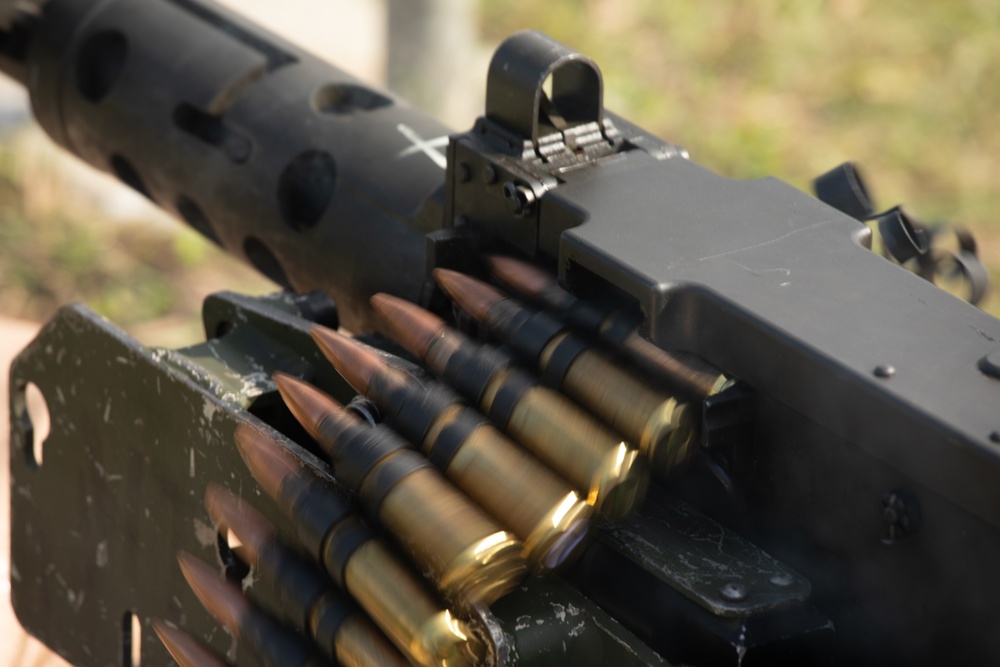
(834, 499)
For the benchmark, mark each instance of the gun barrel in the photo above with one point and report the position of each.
(289, 163)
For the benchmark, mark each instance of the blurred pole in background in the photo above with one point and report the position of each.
(433, 58)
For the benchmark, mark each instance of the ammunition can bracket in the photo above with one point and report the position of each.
(136, 435)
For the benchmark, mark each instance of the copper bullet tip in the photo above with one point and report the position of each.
(524, 278)
(185, 649)
(268, 464)
(236, 516)
(410, 325)
(355, 362)
(223, 600)
(474, 296)
(314, 409)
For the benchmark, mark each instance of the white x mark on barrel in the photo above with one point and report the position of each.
(428, 147)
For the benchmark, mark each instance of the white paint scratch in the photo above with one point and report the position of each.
(766, 243)
(102, 553)
(204, 533)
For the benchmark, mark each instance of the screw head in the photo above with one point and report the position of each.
(884, 371)
(519, 198)
(489, 174)
(734, 592)
(463, 173)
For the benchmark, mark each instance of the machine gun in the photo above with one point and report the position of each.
(834, 497)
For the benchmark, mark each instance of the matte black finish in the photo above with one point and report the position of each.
(255, 143)
(136, 435)
(843, 188)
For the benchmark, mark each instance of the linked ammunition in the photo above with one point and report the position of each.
(185, 649)
(571, 442)
(685, 373)
(469, 556)
(273, 644)
(387, 589)
(665, 429)
(306, 597)
(509, 483)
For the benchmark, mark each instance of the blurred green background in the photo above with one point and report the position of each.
(910, 91)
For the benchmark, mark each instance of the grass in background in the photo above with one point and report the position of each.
(59, 247)
(791, 88)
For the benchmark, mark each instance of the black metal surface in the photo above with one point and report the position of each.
(706, 562)
(136, 435)
(258, 145)
(761, 280)
(843, 188)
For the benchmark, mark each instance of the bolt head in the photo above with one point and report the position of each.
(990, 364)
(884, 371)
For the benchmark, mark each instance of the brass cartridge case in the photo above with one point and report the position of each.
(575, 445)
(359, 644)
(398, 602)
(399, 605)
(470, 558)
(513, 486)
(510, 484)
(580, 448)
(665, 430)
(692, 377)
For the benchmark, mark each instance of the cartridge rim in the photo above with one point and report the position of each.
(446, 640)
(485, 571)
(620, 484)
(669, 438)
(721, 383)
(558, 536)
